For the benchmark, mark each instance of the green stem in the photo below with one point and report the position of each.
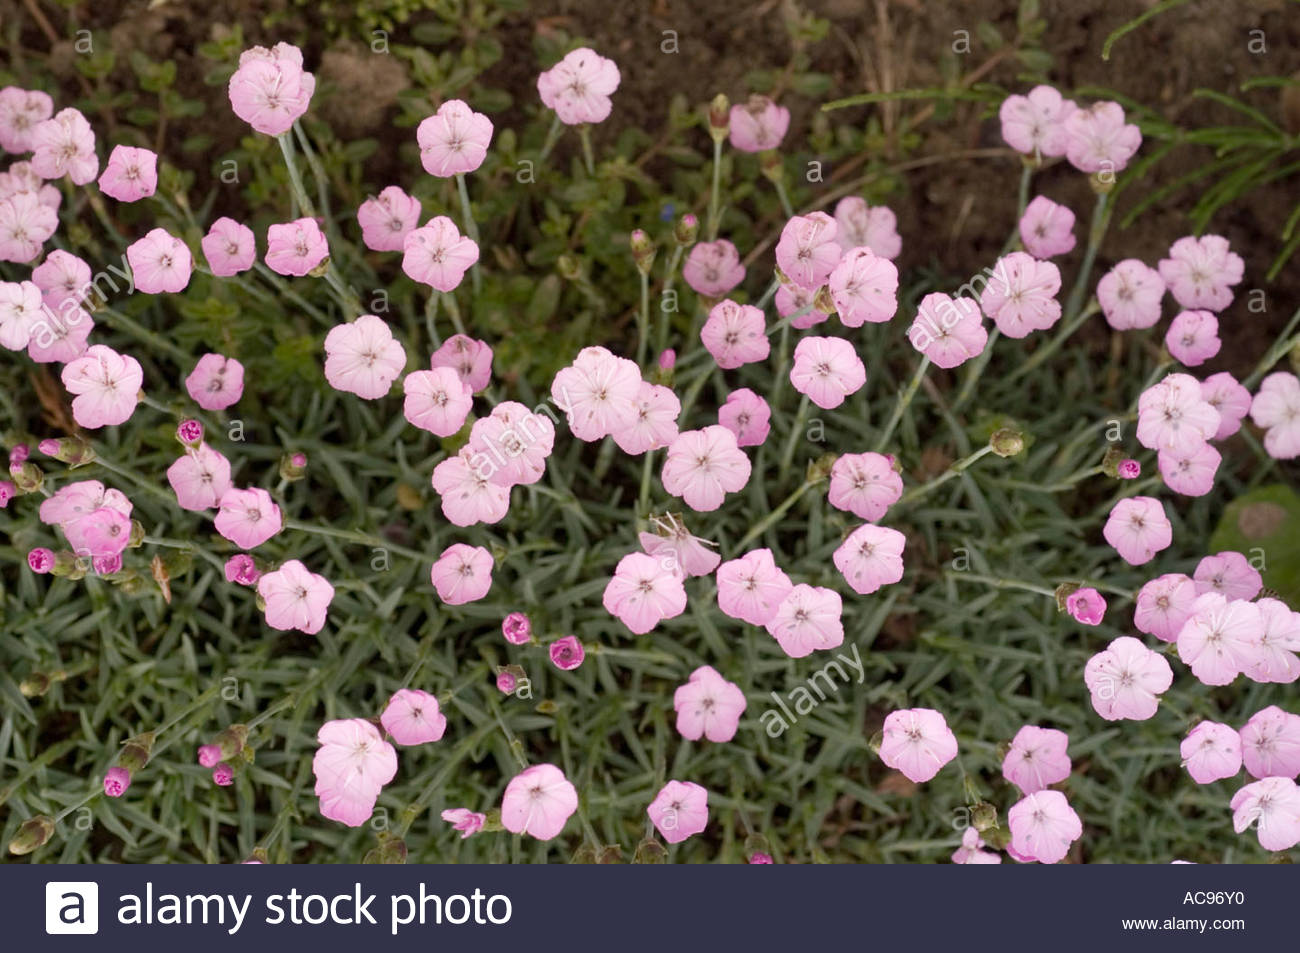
(431, 319)
(643, 321)
(185, 547)
(584, 133)
(976, 371)
(152, 338)
(1281, 347)
(282, 287)
(785, 199)
(670, 277)
(643, 498)
(766, 522)
(346, 297)
(787, 455)
(453, 309)
(354, 536)
(904, 401)
(715, 190)
(1054, 345)
(139, 481)
(957, 468)
(769, 294)
(552, 137)
(1100, 219)
(516, 747)
(471, 228)
(318, 172)
(295, 178)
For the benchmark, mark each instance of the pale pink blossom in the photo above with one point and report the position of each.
(1046, 228)
(1099, 140)
(1272, 807)
(387, 218)
(248, 518)
(160, 262)
(241, 568)
(679, 810)
(106, 386)
(25, 224)
(708, 706)
(870, 557)
(1164, 604)
(655, 425)
(216, 382)
(917, 742)
(703, 466)
(295, 248)
(1126, 680)
(454, 140)
(1218, 638)
(1130, 295)
(76, 500)
(791, 299)
(295, 597)
(860, 224)
(1138, 529)
(1272, 656)
(468, 357)
(538, 801)
(270, 89)
(21, 111)
(865, 484)
(20, 309)
(752, 587)
(1034, 124)
(970, 853)
(1230, 574)
(1211, 752)
(62, 277)
(681, 552)
(1043, 826)
(517, 628)
(1270, 743)
(746, 415)
(949, 331)
(462, 574)
(827, 370)
(199, 478)
(1037, 758)
(579, 86)
(437, 401)
(1086, 605)
(735, 334)
(20, 178)
(599, 392)
(1172, 415)
(363, 358)
(468, 494)
(65, 145)
(1222, 392)
(758, 125)
(1021, 297)
(1200, 272)
(643, 592)
(808, 619)
(712, 269)
(807, 252)
(229, 247)
(412, 717)
(130, 175)
(352, 765)
(1276, 408)
(512, 444)
(1190, 472)
(464, 820)
(105, 531)
(864, 288)
(1193, 337)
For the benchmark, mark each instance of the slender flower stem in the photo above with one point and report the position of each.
(552, 137)
(318, 172)
(453, 309)
(904, 401)
(1054, 345)
(282, 287)
(957, 468)
(354, 536)
(1281, 347)
(1100, 219)
(785, 199)
(516, 747)
(1022, 196)
(999, 583)
(584, 133)
(185, 547)
(138, 480)
(347, 298)
(643, 321)
(471, 228)
(976, 371)
(769, 294)
(647, 471)
(762, 526)
(670, 277)
(796, 430)
(152, 338)
(431, 319)
(715, 191)
(295, 178)
(286, 702)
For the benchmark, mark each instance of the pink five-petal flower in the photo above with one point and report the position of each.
(295, 248)
(412, 717)
(566, 653)
(21, 110)
(106, 386)
(229, 247)
(352, 765)
(464, 820)
(1172, 415)
(579, 86)
(241, 568)
(75, 500)
(248, 518)
(827, 370)
(105, 531)
(735, 334)
(703, 466)
(752, 587)
(1043, 826)
(808, 619)
(870, 557)
(1130, 295)
(643, 592)
(538, 801)
(130, 175)
(1200, 272)
(1193, 337)
(655, 425)
(1222, 392)
(1046, 228)
(25, 224)
(295, 597)
(513, 443)
(1138, 529)
(22, 179)
(517, 628)
(65, 145)
(1034, 124)
(791, 299)
(917, 742)
(216, 382)
(199, 478)
(681, 552)
(462, 574)
(864, 288)
(679, 810)
(1211, 752)
(1190, 472)
(1164, 604)
(746, 415)
(807, 252)
(386, 219)
(1021, 296)
(1217, 639)
(61, 277)
(1037, 758)
(969, 852)
(468, 357)
(875, 227)
(454, 140)
(437, 401)
(1272, 807)
(20, 310)
(708, 706)
(599, 392)
(1126, 679)
(270, 89)
(1270, 743)
(1230, 574)
(1276, 408)
(713, 268)
(758, 124)
(363, 358)
(949, 331)
(160, 262)
(1086, 605)
(1273, 654)
(1099, 140)
(865, 484)
(468, 494)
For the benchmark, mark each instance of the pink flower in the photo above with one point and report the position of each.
(468, 495)
(216, 382)
(1172, 415)
(599, 392)
(437, 401)
(917, 742)
(1043, 826)
(21, 111)
(223, 776)
(746, 415)
(680, 809)
(1193, 337)
(790, 299)
(209, 755)
(106, 386)
(1047, 229)
(72, 502)
(21, 179)
(295, 597)
(107, 565)
(20, 309)
(566, 653)
(1128, 469)
(579, 86)
(681, 552)
(969, 852)
(248, 518)
(1138, 529)
(1270, 743)
(462, 574)
(735, 334)
(65, 145)
(643, 592)
(538, 801)
(1126, 680)
(713, 268)
(1200, 272)
(875, 227)
(229, 247)
(1272, 807)
(827, 370)
(131, 174)
(865, 484)
(949, 331)
(190, 433)
(295, 248)
(864, 288)
(62, 277)
(464, 820)
(511, 445)
(116, 781)
(1035, 124)
(388, 218)
(708, 706)
(352, 765)
(655, 425)
(807, 252)
(199, 478)
(1037, 758)
(470, 358)
(752, 588)
(1086, 606)
(454, 140)
(808, 619)
(870, 557)
(1130, 295)
(25, 224)
(667, 359)
(362, 357)
(270, 89)
(703, 466)
(1191, 472)
(1164, 604)
(1211, 752)
(517, 628)
(412, 717)
(1276, 408)
(1098, 139)
(1229, 574)
(160, 262)
(758, 125)
(1222, 392)
(242, 569)
(1022, 296)
(505, 682)
(40, 560)
(760, 858)
(1272, 656)
(1218, 637)
(102, 532)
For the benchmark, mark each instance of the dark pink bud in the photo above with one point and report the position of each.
(116, 781)
(1129, 469)
(760, 858)
(667, 359)
(517, 628)
(209, 756)
(223, 775)
(505, 682)
(49, 447)
(107, 565)
(240, 568)
(7, 492)
(567, 653)
(41, 560)
(190, 433)
(19, 454)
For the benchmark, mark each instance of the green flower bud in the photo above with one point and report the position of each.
(650, 851)
(984, 816)
(34, 833)
(1006, 442)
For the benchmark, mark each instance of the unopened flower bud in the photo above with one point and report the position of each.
(74, 451)
(231, 741)
(40, 560)
(983, 816)
(650, 851)
(135, 753)
(293, 466)
(391, 850)
(209, 755)
(586, 854)
(116, 781)
(65, 564)
(610, 854)
(517, 628)
(823, 302)
(136, 539)
(34, 833)
(719, 117)
(1128, 470)
(106, 565)
(20, 452)
(7, 492)
(1006, 442)
(667, 359)
(190, 434)
(643, 251)
(771, 165)
(569, 267)
(35, 685)
(505, 682)
(758, 857)
(223, 775)
(757, 844)
(27, 476)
